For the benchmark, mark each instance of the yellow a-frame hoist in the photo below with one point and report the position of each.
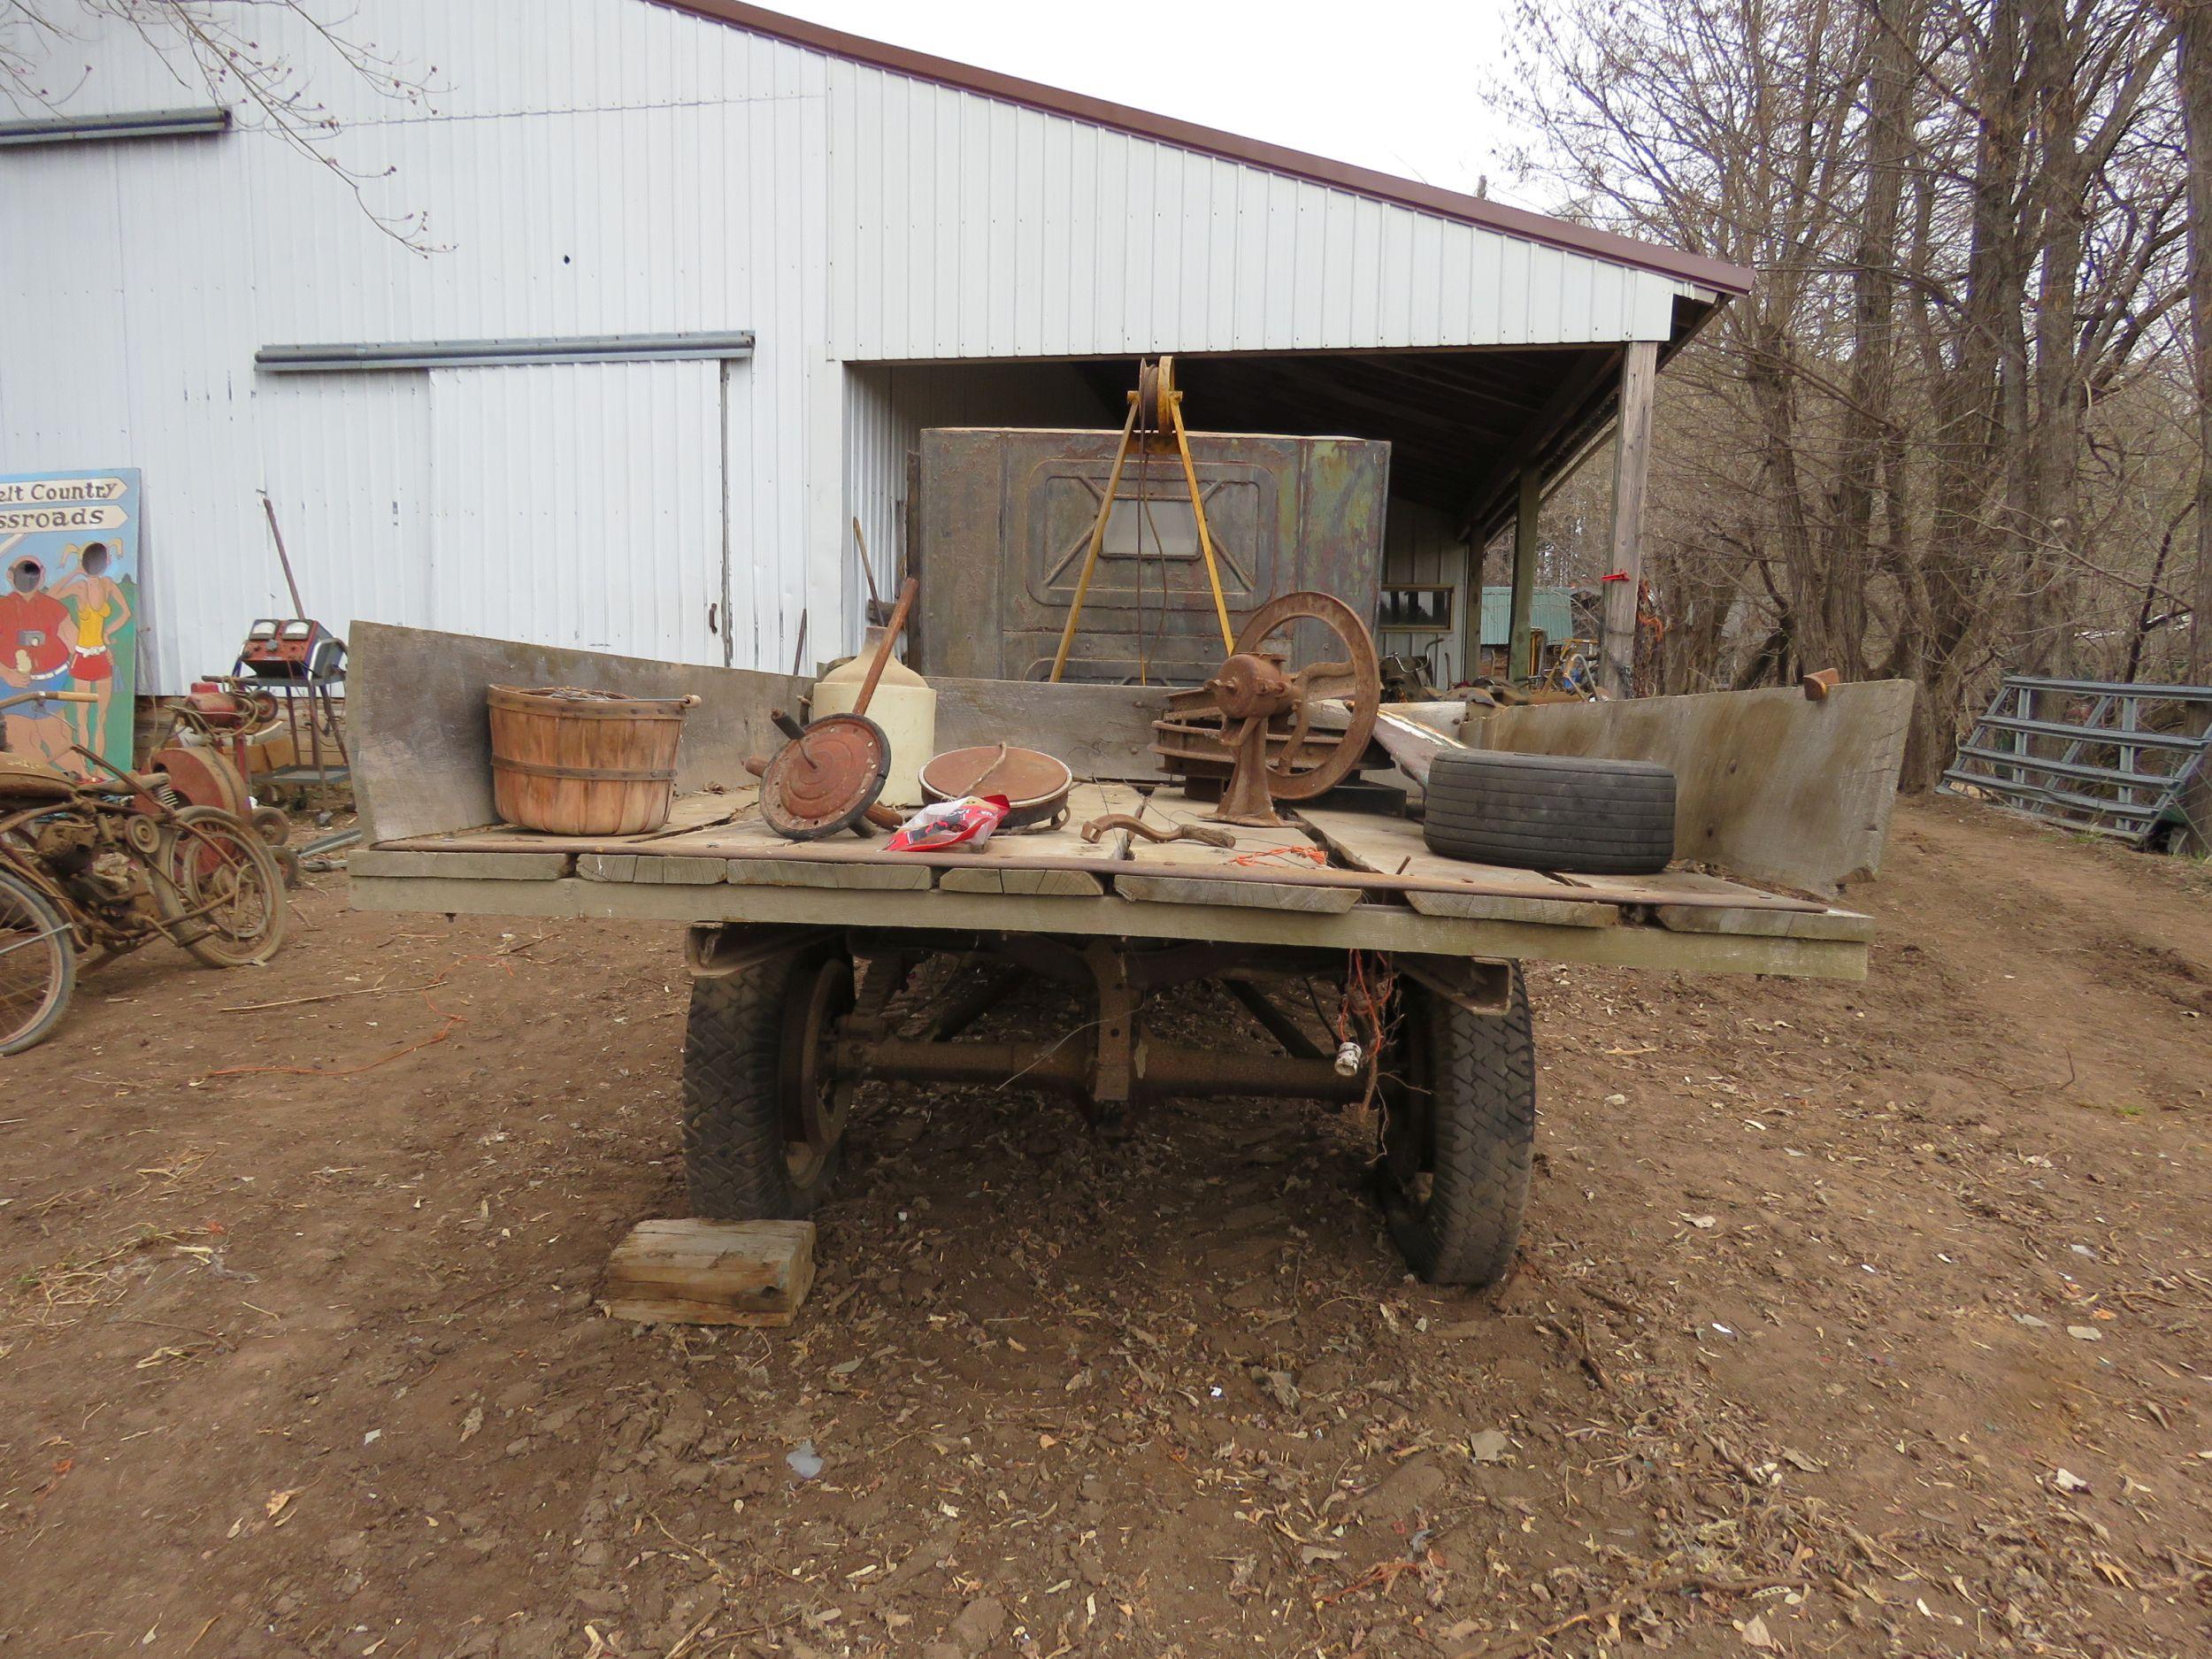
(1155, 426)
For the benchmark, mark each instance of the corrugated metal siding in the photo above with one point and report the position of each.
(606, 167)
(1422, 549)
(886, 410)
(534, 536)
(965, 227)
(1551, 613)
(129, 340)
(646, 172)
(347, 465)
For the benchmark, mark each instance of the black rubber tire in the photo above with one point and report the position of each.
(25, 909)
(1552, 812)
(738, 1164)
(1462, 1135)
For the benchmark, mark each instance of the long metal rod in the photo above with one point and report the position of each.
(1067, 1066)
(2066, 769)
(1279, 1025)
(299, 605)
(1198, 512)
(86, 129)
(2060, 729)
(447, 354)
(36, 938)
(2135, 688)
(1194, 1072)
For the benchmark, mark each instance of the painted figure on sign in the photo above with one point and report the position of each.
(101, 611)
(34, 657)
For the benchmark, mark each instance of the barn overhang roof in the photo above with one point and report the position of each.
(1723, 277)
(1463, 425)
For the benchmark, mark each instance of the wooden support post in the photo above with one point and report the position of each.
(1632, 459)
(1474, 575)
(1517, 663)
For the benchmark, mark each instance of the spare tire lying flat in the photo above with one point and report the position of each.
(1551, 812)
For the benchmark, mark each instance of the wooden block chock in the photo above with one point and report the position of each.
(711, 1272)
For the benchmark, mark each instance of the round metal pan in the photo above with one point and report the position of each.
(1035, 784)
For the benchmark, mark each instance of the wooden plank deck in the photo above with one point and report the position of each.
(1326, 861)
(1393, 846)
(1189, 873)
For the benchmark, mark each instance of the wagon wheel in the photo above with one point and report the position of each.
(816, 1098)
(1205, 725)
(220, 890)
(764, 1104)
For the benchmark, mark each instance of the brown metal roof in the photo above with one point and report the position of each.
(1511, 221)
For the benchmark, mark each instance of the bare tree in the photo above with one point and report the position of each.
(1921, 445)
(229, 52)
(2194, 69)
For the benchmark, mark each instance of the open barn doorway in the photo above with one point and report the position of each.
(1464, 427)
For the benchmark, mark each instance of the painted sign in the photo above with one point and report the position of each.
(69, 584)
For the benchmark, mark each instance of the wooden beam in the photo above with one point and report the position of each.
(1575, 390)
(1769, 785)
(711, 1272)
(1364, 926)
(1517, 662)
(1474, 575)
(1631, 461)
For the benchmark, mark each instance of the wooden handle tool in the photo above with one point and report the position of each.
(891, 631)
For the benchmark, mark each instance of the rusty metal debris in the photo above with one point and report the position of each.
(1210, 836)
(827, 777)
(1255, 718)
(107, 862)
(1035, 784)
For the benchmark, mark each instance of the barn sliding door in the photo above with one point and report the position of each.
(579, 505)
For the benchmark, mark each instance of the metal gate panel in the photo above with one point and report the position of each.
(2111, 757)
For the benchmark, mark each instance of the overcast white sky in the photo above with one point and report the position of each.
(1390, 84)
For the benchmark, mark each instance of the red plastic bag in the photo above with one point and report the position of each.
(967, 822)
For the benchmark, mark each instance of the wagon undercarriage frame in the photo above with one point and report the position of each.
(1112, 1064)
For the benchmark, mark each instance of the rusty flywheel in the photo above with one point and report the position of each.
(1254, 719)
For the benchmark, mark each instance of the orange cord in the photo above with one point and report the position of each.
(451, 1021)
(1312, 855)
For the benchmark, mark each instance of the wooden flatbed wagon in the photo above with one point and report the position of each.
(800, 949)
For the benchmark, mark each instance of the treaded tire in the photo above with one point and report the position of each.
(1462, 1136)
(1552, 812)
(23, 907)
(737, 1161)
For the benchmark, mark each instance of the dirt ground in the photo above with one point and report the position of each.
(1850, 1320)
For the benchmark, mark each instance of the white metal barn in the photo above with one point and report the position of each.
(701, 274)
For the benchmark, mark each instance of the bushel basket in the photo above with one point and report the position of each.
(573, 762)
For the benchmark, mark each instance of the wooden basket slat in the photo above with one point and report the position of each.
(552, 753)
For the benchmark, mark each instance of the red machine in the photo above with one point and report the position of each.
(285, 677)
(284, 663)
(293, 649)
